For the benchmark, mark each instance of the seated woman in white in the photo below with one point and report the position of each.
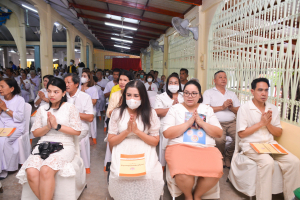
(24, 85)
(88, 86)
(57, 122)
(150, 86)
(163, 103)
(134, 129)
(11, 116)
(42, 96)
(182, 128)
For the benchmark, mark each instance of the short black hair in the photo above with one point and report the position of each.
(151, 76)
(185, 70)
(10, 62)
(126, 73)
(257, 80)
(10, 69)
(95, 79)
(75, 78)
(220, 71)
(117, 70)
(156, 72)
(11, 82)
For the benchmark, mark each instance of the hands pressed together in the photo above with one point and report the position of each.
(266, 118)
(2, 106)
(227, 104)
(51, 121)
(131, 125)
(195, 118)
(41, 95)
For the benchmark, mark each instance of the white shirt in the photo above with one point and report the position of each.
(249, 115)
(58, 76)
(153, 87)
(214, 98)
(37, 82)
(102, 83)
(108, 87)
(176, 116)
(83, 103)
(44, 90)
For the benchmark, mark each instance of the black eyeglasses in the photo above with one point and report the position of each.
(187, 94)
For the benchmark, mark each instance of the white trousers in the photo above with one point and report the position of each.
(290, 167)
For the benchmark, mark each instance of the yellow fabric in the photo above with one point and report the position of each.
(70, 70)
(114, 89)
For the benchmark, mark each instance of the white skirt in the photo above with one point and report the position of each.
(148, 187)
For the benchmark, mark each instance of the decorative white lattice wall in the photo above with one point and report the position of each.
(158, 59)
(258, 38)
(181, 54)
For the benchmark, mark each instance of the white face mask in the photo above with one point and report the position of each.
(84, 80)
(173, 88)
(149, 80)
(71, 63)
(107, 74)
(133, 104)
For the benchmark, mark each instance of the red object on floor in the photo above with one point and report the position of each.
(127, 63)
(99, 117)
(105, 129)
(95, 140)
(88, 170)
(30, 141)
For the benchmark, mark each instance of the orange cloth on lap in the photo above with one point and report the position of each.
(196, 161)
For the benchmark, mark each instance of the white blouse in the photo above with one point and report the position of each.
(176, 116)
(153, 87)
(117, 125)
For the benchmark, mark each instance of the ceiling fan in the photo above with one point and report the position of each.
(123, 33)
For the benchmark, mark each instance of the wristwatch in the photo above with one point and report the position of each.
(58, 127)
(7, 110)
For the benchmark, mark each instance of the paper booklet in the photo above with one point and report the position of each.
(5, 132)
(194, 134)
(33, 114)
(132, 165)
(268, 148)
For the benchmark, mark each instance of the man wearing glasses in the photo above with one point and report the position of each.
(225, 105)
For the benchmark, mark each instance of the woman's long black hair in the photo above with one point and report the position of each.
(145, 109)
(61, 85)
(167, 84)
(195, 83)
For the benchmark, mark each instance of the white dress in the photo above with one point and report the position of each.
(93, 92)
(163, 101)
(148, 187)
(67, 115)
(9, 148)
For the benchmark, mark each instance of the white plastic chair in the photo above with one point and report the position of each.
(213, 193)
(66, 188)
(85, 153)
(23, 140)
(243, 171)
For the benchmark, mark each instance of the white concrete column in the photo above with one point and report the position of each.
(83, 51)
(46, 46)
(70, 45)
(5, 57)
(17, 29)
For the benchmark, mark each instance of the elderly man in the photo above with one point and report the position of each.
(258, 121)
(225, 105)
(35, 82)
(101, 81)
(81, 100)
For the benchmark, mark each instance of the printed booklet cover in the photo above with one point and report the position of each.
(194, 134)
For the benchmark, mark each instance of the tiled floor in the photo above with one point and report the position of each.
(97, 184)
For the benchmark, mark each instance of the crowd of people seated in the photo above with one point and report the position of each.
(141, 111)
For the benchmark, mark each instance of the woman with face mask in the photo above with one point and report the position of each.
(59, 121)
(88, 86)
(134, 130)
(150, 86)
(163, 103)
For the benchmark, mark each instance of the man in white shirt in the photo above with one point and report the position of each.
(82, 102)
(35, 82)
(184, 74)
(112, 83)
(101, 81)
(225, 105)
(258, 122)
(57, 75)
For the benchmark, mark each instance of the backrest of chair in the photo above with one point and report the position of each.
(28, 109)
